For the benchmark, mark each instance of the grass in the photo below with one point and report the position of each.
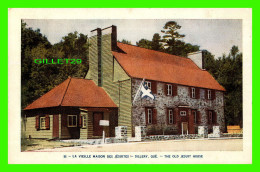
(37, 144)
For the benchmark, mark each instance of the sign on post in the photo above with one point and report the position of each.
(104, 123)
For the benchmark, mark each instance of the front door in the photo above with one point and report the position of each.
(55, 132)
(97, 129)
(184, 128)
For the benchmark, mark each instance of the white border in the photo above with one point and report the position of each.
(14, 71)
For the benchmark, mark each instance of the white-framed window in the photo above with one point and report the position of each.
(202, 93)
(192, 92)
(72, 120)
(148, 84)
(182, 113)
(42, 123)
(195, 116)
(169, 90)
(84, 121)
(209, 94)
(170, 116)
(150, 116)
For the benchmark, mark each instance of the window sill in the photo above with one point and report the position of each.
(43, 129)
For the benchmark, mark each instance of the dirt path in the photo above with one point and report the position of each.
(159, 146)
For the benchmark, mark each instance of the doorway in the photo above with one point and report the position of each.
(184, 128)
(97, 129)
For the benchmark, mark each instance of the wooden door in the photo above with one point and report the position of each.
(55, 132)
(184, 128)
(97, 129)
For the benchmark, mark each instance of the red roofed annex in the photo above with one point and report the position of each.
(186, 95)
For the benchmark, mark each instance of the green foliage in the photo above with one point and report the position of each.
(170, 43)
(156, 42)
(144, 43)
(37, 79)
(228, 72)
(126, 41)
(172, 40)
(170, 31)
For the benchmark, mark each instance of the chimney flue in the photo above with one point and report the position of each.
(113, 31)
(197, 58)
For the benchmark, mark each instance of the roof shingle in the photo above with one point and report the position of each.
(154, 65)
(74, 92)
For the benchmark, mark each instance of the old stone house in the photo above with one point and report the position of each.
(186, 95)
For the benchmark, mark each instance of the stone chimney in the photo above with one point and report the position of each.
(197, 58)
(113, 31)
(95, 56)
(102, 43)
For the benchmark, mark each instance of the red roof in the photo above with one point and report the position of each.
(74, 92)
(154, 65)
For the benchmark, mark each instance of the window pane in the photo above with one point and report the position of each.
(70, 120)
(195, 116)
(149, 116)
(74, 120)
(202, 93)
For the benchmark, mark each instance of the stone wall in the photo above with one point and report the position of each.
(162, 102)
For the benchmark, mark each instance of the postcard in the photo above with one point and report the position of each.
(130, 86)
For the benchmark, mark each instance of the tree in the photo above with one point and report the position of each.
(37, 79)
(126, 41)
(144, 43)
(156, 42)
(172, 40)
(170, 31)
(227, 70)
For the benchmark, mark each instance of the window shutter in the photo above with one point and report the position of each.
(215, 117)
(154, 87)
(206, 94)
(80, 120)
(154, 120)
(174, 90)
(197, 93)
(207, 113)
(177, 115)
(47, 122)
(190, 92)
(167, 116)
(213, 94)
(198, 117)
(37, 122)
(165, 89)
(146, 115)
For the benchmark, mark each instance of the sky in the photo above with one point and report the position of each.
(215, 35)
